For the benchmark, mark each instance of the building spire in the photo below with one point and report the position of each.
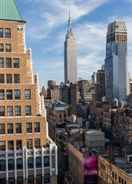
(69, 29)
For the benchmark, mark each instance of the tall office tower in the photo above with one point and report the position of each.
(116, 61)
(100, 84)
(70, 55)
(27, 154)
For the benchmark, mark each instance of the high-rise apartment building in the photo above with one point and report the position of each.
(116, 61)
(27, 154)
(70, 56)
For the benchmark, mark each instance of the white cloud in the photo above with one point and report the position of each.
(91, 36)
(54, 13)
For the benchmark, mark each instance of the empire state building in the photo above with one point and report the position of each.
(70, 56)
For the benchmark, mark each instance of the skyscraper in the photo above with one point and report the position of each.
(70, 55)
(27, 154)
(116, 61)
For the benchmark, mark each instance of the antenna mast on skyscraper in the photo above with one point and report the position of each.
(68, 13)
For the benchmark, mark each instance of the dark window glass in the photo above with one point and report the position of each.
(18, 128)
(37, 127)
(30, 179)
(10, 128)
(18, 110)
(39, 179)
(19, 180)
(11, 164)
(46, 161)
(9, 94)
(17, 94)
(1, 47)
(19, 163)
(9, 78)
(7, 33)
(28, 110)
(8, 63)
(2, 128)
(37, 143)
(16, 78)
(2, 146)
(2, 180)
(8, 47)
(27, 94)
(2, 79)
(38, 162)
(30, 163)
(2, 111)
(29, 127)
(19, 145)
(10, 145)
(47, 178)
(16, 63)
(9, 110)
(1, 62)
(2, 165)
(2, 94)
(29, 144)
(1, 32)
(11, 180)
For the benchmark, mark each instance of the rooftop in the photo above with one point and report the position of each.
(9, 11)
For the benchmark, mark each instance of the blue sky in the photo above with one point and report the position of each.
(46, 28)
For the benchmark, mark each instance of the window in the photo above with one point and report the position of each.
(8, 63)
(18, 110)
(11, 164)
(2, 111)
(1, 47)
(9, 94)
(18, 128)
(1, 32)
(2, 180)
(16, 78)
(8, 47)
(29, 144)
(7, 33)
(53, 161)
(2, 94)
(16, 63)
(29, 127)
(19, 180)
(10, 128)
(2, 128)
(39, 179)
(9, 110)
(19, 145)
(37, 143)
(46, 178)
(17, 94)
(2, 79)
(27, 94)
(46, 161)
(37, 127)
(28, 110)
(30, 163)
(10, 145)
(19, 163)
(2, 146)
(30, 179)
(11, 180)
(38, 162)
(1, 62)
(8, 78)
(2, 165)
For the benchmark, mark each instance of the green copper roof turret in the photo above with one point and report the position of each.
(9, 11)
